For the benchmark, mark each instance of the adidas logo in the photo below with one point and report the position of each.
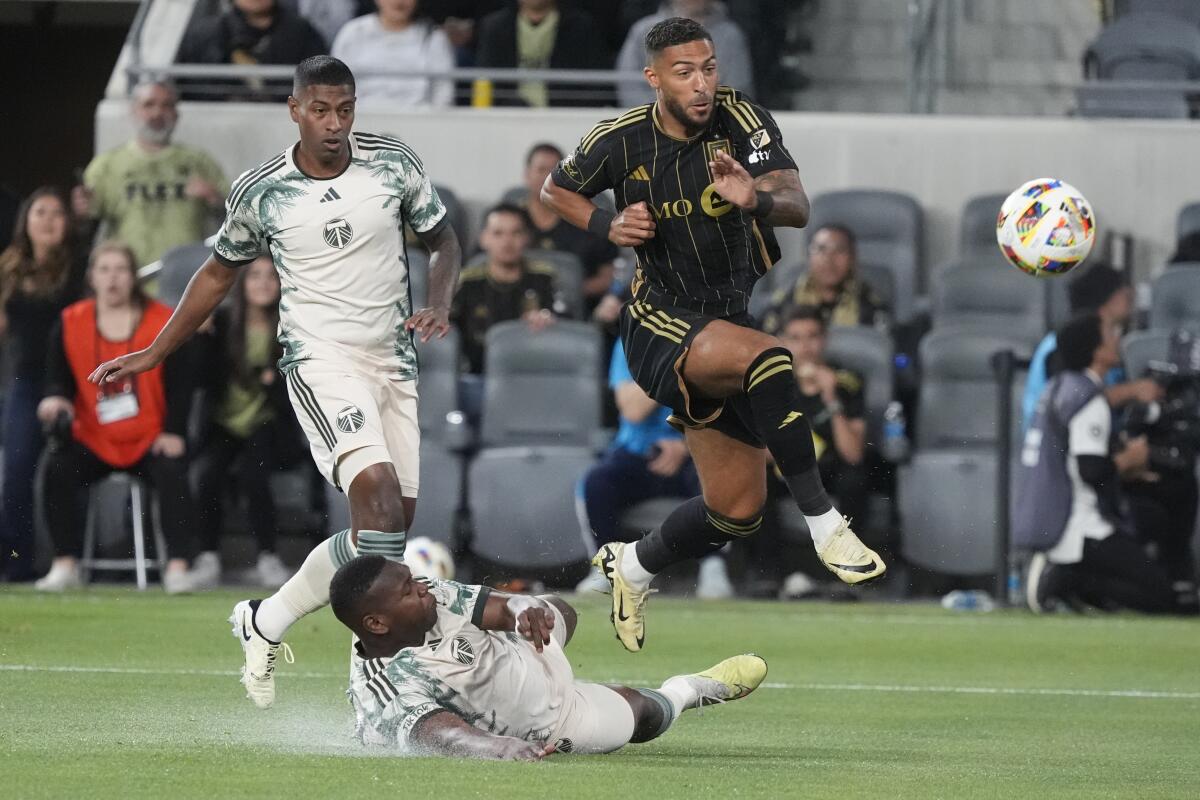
(640, 174)
(330, 195)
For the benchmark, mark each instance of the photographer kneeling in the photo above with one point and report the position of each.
(135, 425)
(1068, 505)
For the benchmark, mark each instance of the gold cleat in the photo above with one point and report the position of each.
(628, 604)
(847, 557)
(732, 679)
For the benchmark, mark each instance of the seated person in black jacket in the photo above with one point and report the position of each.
(251, 430)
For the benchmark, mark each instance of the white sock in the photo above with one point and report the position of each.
(823, 527)
(681, 694)
(306, 591)
(632, 570)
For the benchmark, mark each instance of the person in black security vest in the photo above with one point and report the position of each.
(1068, 504)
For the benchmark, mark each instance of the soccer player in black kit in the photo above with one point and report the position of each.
(700, 177)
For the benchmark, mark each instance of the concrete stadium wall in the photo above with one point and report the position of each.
(1136, 173)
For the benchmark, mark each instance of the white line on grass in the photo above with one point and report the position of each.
(1138, 694)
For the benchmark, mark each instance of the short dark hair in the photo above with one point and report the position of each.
(321, 71)
(509, 208)
(350, 583)
(674, 31)
(1078, 340)
(1187, 249)
(544, 147)
(805, 313)
(1094, 287)
(841, 229)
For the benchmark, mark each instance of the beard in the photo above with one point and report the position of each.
(680, 114)
(159, 136)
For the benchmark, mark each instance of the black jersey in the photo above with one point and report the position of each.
(706, 253)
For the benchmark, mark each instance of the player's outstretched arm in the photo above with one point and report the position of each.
(777, 198)
(203, 294)
(445, 259)
(446, 734)
(531, 617)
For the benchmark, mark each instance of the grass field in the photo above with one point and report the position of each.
(113, 694)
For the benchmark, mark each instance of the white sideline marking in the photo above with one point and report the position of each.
(1137, 694)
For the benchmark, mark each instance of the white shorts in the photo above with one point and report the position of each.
(343, 409)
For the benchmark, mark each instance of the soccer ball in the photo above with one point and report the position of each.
(1046, 228)
(426, 558)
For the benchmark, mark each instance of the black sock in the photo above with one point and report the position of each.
(692, 531)
(774, 399)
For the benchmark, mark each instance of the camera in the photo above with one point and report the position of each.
(1172, 426)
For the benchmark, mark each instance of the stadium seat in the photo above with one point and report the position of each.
(868, 352)
(522, 504)
(1139, 348)
(418, 276)
(456, 214)
(441, 494)
(1186, 10)
(957, 404)
(1002, 297)
(947, 503)
(102, 497)
(568, 278)
(1145, 46)
(1175, 298)
(1188, 220)
(439, 361)
(179, 264)
(889, 229)
(977, 229)
(1096, 100)
(541, 388)
(648, 515)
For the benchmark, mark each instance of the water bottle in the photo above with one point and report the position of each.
(895, 434)
(968, 600)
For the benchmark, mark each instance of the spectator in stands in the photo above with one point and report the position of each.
(832, 285)
(251, 430)
(551, 232)
(395, 38)
(1068, 503)
(506, 286)
(729, 42)
(40, 273)
(647, 460)
(136, 425)
(1104, 291)
(538, 34)
(150, 193)
(832, 400)
(253, 32)
(328, 16)
(460, 20)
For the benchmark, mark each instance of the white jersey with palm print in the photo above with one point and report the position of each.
(338, 245)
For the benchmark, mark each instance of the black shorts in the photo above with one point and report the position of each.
(656, 341)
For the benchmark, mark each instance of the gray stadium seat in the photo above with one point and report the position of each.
(456, 214)
(439, 360)
(1001, 297)
(1149, 46)
(522, 503)
(179, 264)
(648, 515)
(889, 229)
(1186, 10)
(977, 229)
(418, 276)
(1139, 348)
(947, 503)
(1175, 299)
(868, 352)
(1188, 220)
(541, 388)
(440, 495)
(957, 405)
(568, 279)
(1093, 99)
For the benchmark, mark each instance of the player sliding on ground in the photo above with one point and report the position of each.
(700, 176)
(466, 671)
(331, 211)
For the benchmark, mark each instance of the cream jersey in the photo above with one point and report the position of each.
(338, 246)
(494, 680)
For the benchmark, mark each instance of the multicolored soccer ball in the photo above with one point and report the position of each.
(426, 558)
(1046, 228)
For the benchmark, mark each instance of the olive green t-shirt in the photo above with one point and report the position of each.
(141, 197)
(246, 406)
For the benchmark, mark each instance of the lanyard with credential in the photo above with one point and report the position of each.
(116, 402)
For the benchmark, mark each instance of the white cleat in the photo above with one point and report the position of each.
(258, 675)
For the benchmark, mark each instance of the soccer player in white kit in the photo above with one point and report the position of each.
(331, 211)
(467, 671)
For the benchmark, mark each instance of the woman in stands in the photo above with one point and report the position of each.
(251, 429)
(136, 425)
(40, 274)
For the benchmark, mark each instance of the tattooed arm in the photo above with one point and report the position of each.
(776, 197)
